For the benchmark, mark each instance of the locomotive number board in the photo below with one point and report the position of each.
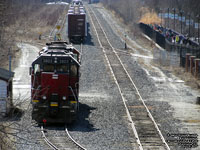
(59, 61)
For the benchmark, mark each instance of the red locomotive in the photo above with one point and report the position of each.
(55, 84)
(77, 25)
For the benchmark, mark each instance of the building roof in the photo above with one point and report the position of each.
(5, 74)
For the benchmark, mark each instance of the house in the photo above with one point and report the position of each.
(6, 78)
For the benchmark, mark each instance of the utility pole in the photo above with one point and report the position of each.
(181, 64)
(189, 26)
(2, 8)
(181, 13)
(125, 46)
(198, 18)
(10, 61)
(161, 16)
(168, 16)
(174, 9)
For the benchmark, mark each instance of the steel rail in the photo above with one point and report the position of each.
(47, 141)
(128, 113)
(81, 52)
(68, 135)
(54, 28)
(76, 143)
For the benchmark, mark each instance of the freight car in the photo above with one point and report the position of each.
(77, 2)
(77, 24)
(93, 1)
(55, 84)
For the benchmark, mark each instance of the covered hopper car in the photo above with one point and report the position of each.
(55, 84)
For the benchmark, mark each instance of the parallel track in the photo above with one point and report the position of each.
(146, 131)
(60, 139)
(60, 22)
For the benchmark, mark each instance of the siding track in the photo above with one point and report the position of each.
(145, 129)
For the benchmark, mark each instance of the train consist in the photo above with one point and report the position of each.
(77, 24)
(55, 84)
(77, 2)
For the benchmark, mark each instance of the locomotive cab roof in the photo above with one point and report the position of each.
(58, 48)
(61, 58)
(57, 43)
(61, 51)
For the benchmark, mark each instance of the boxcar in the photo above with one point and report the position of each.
(77, 25)
(93, 1)
(77, 2)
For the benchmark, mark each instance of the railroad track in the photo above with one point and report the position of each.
(60, 139)
(60, 22)
(145, 129)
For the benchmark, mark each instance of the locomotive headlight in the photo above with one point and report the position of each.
(64, 98)
(44, 97)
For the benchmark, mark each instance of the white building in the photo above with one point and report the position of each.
(5, 91)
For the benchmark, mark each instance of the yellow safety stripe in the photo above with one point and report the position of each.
(73, 102)
(35, 101)
(54, 105)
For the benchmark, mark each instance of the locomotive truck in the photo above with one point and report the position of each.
(55, 84)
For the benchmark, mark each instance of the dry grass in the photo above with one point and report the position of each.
(189, 79)
(28, 25)
(149, 17)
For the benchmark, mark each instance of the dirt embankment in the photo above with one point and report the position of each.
(28, 25)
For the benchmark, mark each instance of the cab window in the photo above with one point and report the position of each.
(48, 68)
(75, 56)
(36, 68)
(63, 68)
(74, 70)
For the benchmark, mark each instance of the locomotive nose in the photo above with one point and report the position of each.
(53, 112)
